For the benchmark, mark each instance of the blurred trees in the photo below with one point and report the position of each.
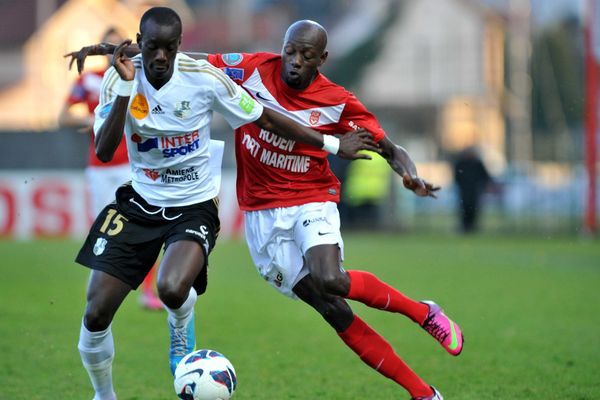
(558, 91)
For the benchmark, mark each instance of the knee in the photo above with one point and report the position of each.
(172, 294)
(336, 283)
(95, 319)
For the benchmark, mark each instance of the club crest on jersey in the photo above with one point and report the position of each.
(182, 109)
(100, 246)
(314, 117)
(139, 107)
(151, 173)
(232, 58)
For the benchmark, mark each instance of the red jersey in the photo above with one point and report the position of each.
(275, 172)
(87, 90)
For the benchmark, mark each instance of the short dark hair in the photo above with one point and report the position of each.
(161, 16)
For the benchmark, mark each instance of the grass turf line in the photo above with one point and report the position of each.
(527, 307)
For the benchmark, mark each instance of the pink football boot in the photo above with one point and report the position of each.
(443, 329)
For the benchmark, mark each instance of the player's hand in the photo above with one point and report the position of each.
(420, 186)
(354, 141)
(122, 63)
(99, 49)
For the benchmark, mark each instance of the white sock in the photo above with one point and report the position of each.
(97, 352)
(180, 316)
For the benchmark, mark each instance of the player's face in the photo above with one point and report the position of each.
(159, 45)
(300, 59)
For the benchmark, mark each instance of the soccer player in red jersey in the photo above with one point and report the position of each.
(289, 196)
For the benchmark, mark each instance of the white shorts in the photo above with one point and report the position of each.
(278, 238)
(103, 182)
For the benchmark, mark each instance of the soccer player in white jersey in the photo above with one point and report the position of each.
(163, 101)
(103, 178)
(293, 230)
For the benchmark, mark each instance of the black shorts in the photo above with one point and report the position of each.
(127, 236)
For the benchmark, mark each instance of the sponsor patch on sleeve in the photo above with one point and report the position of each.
(232, 58)
(247, 103)
(234, 73)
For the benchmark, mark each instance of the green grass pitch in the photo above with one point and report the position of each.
(529, 309)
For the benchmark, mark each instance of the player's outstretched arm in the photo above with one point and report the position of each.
(104, 48)
(98, 49)
(398, 158)
(348, 146)
(108, 135)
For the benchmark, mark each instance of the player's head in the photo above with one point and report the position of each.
(303, 53)
(159, 39)
(111, 35)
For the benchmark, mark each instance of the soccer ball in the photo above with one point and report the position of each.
(205, 375)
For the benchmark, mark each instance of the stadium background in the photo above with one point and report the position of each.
(508, 76)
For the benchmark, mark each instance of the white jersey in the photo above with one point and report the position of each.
(168, 130)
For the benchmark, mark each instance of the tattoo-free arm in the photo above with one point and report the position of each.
(400, 161)
(109, 134)
(349, 146)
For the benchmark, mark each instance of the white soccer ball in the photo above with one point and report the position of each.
(205, 375)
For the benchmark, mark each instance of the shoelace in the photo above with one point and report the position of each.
(179, 340)
(435, 329)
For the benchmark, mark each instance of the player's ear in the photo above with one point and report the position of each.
(138, 39)
(323, 58)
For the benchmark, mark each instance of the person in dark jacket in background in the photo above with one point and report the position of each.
(472, 179)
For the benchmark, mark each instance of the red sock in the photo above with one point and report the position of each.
(148, 284)
(369, 290)
(376, 352)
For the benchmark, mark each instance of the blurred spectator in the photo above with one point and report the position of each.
(103, 179)
(365, 189)
(472, 179)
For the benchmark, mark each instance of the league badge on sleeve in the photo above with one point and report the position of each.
(105, 110)
(232, 58)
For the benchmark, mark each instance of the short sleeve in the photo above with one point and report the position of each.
(239, 66)
(233, 102)
(357, 116)
(107, 98)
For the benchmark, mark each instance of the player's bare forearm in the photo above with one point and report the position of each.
(397, 158)
(350, 144)
(404, 166)
(109, 135)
